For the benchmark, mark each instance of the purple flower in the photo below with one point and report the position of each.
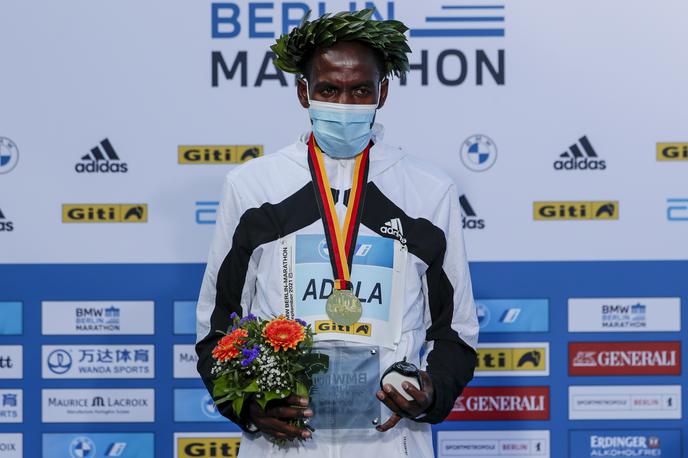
(249, 317)
(234, 315)
(301, 322)
(250, 355)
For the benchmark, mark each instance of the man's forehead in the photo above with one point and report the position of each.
(345, 62)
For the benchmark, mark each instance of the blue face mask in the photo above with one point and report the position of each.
(341, 130)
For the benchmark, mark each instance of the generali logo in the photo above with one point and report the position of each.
(502, 403)
(625, 358)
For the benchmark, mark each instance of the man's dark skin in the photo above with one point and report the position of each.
(348, 72)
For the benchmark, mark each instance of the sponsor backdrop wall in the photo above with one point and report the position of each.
(563, 124)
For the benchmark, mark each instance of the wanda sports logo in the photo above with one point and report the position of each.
(502, 403)
(625, 358)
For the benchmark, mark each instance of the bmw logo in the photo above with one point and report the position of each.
(59, 362)
(323, 251)
(483, 314)
(209, 407)
(82, 447)
(9, 155)
(478, 153)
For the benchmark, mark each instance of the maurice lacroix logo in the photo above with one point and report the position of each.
(478, 153)
(9, 155)
(101, 159)
(470, 219)
(576, 159)
(5, 224)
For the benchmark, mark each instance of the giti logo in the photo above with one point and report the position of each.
(576, 210)
(104, 213)
(5, 224)
(672, 151)
(218, 154)
(470, 220)
(210, 447)
(357, 329)
(512, 359)
(575, 159)
(103, 160)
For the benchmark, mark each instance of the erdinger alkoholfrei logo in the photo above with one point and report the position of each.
(82, 447)
(470, 219)
(580, 156)
(102, 159)
(9, 155)
(478, 153)
(5, 224)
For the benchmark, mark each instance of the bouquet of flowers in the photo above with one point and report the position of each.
(266, 359)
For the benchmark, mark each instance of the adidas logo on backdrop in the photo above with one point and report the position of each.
(577, 159)
(101, 160)
(470, 219)
(5, 224)
(393, 227)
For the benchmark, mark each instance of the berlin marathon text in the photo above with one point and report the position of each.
(449, 67)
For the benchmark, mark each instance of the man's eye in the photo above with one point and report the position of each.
(327, 92)
(362, 92)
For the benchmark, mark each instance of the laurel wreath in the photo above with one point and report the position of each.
(387, 37)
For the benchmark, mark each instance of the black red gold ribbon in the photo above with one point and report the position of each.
(341, 241)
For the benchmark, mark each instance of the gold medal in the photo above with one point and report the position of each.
(343, 307)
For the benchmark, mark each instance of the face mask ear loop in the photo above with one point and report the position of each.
(379, 93)
(308, 92)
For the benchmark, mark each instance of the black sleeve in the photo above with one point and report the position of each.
(450, 361)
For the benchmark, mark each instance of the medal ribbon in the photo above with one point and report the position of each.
(341, 242)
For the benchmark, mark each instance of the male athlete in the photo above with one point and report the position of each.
(355, 237)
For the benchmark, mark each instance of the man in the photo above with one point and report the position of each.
(391, 285)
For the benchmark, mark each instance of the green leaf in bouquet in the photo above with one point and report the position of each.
(220, 387)
(252, 387)
(301, 389)
(229, 397)
(237, 405)
(270, 396)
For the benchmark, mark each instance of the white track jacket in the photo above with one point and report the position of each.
(269, 257)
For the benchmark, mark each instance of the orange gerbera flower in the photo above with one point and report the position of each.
(283, 334)
(226, 347)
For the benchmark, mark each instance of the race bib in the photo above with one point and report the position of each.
(374, 280)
